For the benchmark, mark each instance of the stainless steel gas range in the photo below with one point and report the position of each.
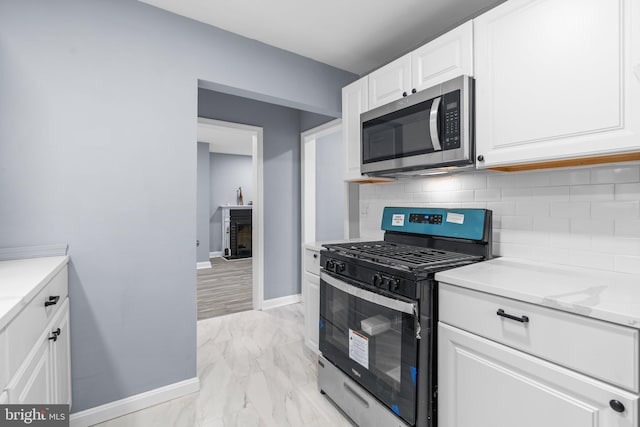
(378, 308)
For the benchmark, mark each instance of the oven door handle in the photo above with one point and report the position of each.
(379, 299)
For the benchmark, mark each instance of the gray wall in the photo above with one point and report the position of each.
(228, 172)
(281, 181)
(98, 114)
(203, 184)
(329, 188)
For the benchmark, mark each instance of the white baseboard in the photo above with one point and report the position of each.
(216, 254)
(204, 264)
(279, 302)
(134, 403)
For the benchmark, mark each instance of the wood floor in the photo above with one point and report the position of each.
(224, 289)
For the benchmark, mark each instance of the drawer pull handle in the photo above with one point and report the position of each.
(52, 301)
(355, 394)
(522, 319)
(616, 405)
(54, 335)
(315, 255)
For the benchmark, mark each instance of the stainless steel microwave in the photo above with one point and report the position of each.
(430, 129)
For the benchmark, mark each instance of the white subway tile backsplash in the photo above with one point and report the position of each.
(502, 208)
(592, 192)
(615, 174)
(554, 225)
(615, 210)
(517, 193)
(517, 222)
(627, 228)
(570, 177)
(627, 191)
(574, 210)
(488, 194)
(588, 216)
(592, 226)
(474, 181)
(532, 208)
(551, 193)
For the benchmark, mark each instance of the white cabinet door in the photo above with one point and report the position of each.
(390, 82)
(482, 383)
(312, 311)
(444, 58)
(4, 398)
(557, 79)
(354, 102)
(32, 383)
(60, 356)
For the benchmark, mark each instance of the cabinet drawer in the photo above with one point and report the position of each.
(600, 349)
(23, 332)
(312, 261)
(4, 368)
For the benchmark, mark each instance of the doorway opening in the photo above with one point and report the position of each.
(230, 218)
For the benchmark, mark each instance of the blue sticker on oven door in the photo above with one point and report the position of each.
(320, 324)
(395, 409)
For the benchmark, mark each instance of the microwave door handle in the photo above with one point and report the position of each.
(433, 124)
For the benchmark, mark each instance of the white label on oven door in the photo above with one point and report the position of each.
(397, 219)
(359, 348)
(456, 218)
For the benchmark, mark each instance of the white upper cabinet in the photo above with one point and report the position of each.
(557, 80)
(354, 102)
(391, 82)
(444, 58)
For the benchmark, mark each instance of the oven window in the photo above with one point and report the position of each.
(373, 344)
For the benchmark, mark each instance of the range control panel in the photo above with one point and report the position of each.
(425, 218)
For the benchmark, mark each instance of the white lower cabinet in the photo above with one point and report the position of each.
(483, 383)
(37, 360)
(311, 292)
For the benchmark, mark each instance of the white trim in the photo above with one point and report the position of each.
(203, 264)
(279, 302)
(134, 403)
(216, 254)
(257, 217)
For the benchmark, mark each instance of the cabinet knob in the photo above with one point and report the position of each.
(404, 93)
(480, 158)
(54, 335)
(616, 405)
(52, 301)
(315, 255)
(413, 90)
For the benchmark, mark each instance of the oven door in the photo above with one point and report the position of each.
(373, 339)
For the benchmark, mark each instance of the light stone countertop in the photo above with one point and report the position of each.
(609, 296)
(21, 280)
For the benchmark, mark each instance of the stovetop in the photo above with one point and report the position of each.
(402, 256)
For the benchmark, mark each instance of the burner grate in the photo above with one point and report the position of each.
(401, 255)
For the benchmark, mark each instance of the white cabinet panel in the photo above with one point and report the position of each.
(390, 82)
(60, 358)
(482, 383)
(354, 102)
(312, 311)
(312, 261)
(4, 398)
(444, 58)
(555, 80)
(32, 384)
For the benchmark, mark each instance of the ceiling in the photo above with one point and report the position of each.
(224, 139)
(355, 35)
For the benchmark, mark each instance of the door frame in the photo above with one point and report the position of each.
(257, 212)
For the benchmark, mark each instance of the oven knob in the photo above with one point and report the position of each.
(395, 284)
(329, 265)
(340, 267)
(377, 279)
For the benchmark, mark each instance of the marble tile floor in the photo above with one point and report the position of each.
(254, 370)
